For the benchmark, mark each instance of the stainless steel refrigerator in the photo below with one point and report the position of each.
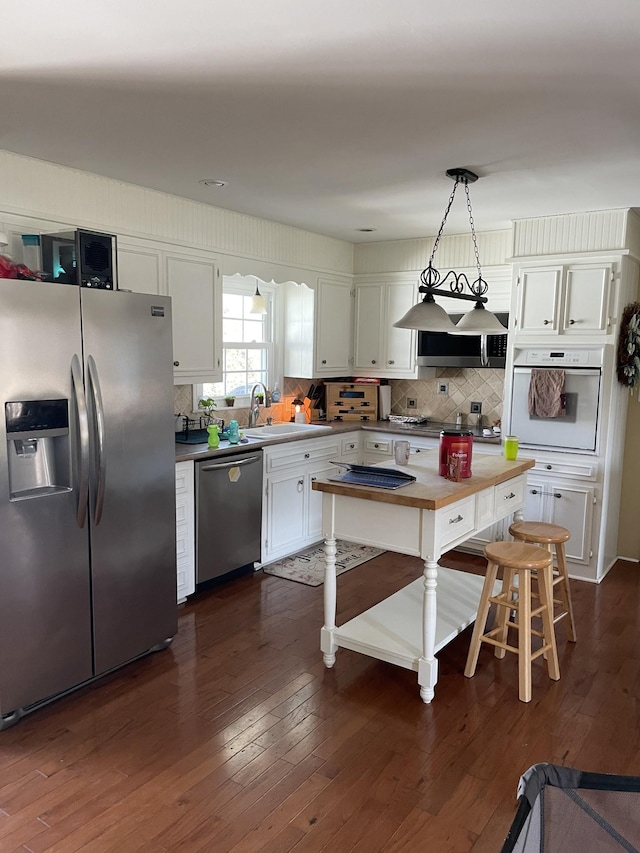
(87, 486)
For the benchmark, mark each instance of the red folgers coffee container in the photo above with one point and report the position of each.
(456, 447)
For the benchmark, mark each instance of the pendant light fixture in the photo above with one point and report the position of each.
(428, 315)
(258, 303)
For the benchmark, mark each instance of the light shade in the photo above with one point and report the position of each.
(427, 316)
(258, 304)
(479, 321)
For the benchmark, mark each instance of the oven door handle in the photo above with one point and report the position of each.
(569, 371)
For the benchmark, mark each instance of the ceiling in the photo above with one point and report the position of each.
(335, 115)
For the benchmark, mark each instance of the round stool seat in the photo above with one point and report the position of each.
(518, 555)
(539, 531)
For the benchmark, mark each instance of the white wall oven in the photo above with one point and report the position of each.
(577, 428)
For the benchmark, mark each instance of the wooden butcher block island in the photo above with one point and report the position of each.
(424, 519)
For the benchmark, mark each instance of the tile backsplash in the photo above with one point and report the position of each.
(465, 385)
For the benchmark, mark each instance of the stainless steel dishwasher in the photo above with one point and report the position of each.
(228, 513)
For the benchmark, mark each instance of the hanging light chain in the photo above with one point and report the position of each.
(444, 219)
(482, 286)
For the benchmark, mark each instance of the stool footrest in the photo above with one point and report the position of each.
(490, 640)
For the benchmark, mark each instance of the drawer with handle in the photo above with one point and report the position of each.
(508, 497)
(456, 520)
(379, 445)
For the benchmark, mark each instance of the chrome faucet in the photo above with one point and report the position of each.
(254, 405)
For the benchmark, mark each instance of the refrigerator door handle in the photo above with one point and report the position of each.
(82, 486)
(94, 388)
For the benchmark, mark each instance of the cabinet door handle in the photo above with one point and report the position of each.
(376, 446)
(176, 364)
(549, 467)
(533, 491)
(546, 322)
(455, 520)
(307, 455)
(324, 360)
(509, 497)
(557, 495)
(373, 361)
(300, 485)
(571, 322)
(391, 361)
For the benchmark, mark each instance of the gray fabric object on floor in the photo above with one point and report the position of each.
(563, 810)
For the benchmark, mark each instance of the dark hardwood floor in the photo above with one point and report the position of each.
(238, 739)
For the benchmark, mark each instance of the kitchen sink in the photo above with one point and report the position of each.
(281, 430)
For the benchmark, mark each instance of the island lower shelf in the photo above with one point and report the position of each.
(392, 630)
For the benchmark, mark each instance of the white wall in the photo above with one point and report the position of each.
(50, 194)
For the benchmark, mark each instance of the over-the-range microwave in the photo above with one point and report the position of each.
(439, 349)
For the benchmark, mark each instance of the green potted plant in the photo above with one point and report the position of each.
(207, 404)
(259, 399)
(229, 401)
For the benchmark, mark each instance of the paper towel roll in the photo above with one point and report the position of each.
(384, 402)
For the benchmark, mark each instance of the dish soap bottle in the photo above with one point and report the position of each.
(275, 394)
(234, 433)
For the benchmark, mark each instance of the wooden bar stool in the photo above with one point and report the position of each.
(517, 560)
(552, 537)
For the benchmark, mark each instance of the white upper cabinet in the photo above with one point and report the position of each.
(539, 300)
(317, 329)
(139, 267)
(333, 329)
(193, 283)
(191, 278)
(380, 349)
(587, 297)
(564, 300)
(369, 318)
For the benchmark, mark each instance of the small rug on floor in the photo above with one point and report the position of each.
(308, 566)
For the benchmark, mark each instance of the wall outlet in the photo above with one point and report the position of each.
(443, 387)
(412, 403)
(476, 408)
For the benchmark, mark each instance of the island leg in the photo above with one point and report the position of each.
(428, 665)
(327, 644)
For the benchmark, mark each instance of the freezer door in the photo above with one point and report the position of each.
(129, 380)
(45, 629)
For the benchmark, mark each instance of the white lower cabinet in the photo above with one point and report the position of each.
(565, 503)
(292, 510)
(185, 530)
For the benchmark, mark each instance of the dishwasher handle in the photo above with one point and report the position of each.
(235, 464)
